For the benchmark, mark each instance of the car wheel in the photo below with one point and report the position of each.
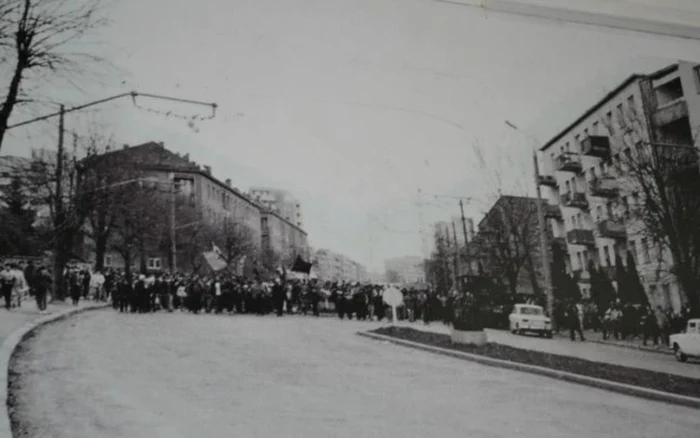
(680, 356)
(548, 334)
(519, 331)
(512, 329)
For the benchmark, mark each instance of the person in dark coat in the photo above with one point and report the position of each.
(85, 277)
(278, 296)
(378, 304)
(76, 286)
(42, 284)
(7, 283)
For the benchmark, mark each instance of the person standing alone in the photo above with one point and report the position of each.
(42, 283)
(7, 283)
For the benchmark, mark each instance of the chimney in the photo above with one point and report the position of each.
(207, 170)
(186, 156)
(228, 182)
(126, 146)
(161, 144)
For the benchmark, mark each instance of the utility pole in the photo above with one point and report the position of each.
(59, 217)
(544, 246)
(173, 243)
(456, 253)
(466, 238)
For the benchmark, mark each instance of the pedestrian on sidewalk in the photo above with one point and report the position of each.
(42, 283)
(7, 283)
(76, 286)
(574, 319)
(650, 326)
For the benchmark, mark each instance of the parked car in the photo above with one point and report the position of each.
(530, 318)
(687, 344)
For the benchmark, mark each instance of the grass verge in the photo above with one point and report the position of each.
(632, 376)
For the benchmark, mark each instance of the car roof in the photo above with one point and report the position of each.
(694, 320)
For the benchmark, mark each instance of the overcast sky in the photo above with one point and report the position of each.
(355, 105)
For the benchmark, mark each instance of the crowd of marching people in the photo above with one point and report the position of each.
(233, 294)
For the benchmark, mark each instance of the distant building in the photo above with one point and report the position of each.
(409, 269)
(279, 201)
(507, 243)
(283, 237)
(331, 266)
(195, 185)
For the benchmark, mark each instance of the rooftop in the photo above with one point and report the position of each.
(608, 97)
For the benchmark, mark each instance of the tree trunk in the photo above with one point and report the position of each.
(60, 259)
(100, 250)
(10, 99)
(142, 257)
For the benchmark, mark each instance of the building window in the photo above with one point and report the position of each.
(108, 261)
(606, 255)
(580, 259)
(645, 250)
(697, 77)
(154, 263)
(631, 106)
(599, 212)
(609, 122)
(595, 128)
(620, 117)
(633, 249)
(585, 259)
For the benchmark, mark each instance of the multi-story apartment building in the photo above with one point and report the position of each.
(279, 201)
(410, 269)
(331, 266)
(283, 237)
(585, 176)
(195, 185)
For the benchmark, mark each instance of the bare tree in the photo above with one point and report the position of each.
(35, 36)
(509, 237)
(138, 224)
(110, 181)
(234, 239)
(667, 180)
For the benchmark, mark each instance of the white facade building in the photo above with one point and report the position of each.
(279, 201)
(331, 266)
(584, 174)
(410, 269)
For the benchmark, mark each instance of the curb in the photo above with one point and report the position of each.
(666, 351)
(8, 348)
(622, 388)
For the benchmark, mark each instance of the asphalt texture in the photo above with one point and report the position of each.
(105, 374)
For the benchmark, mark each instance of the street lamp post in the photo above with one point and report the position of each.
(544, 244)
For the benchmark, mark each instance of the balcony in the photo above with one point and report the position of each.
(612, 229)
(605, 187)
(553, 212)
(568, 162)
(574, 200)
(671, 112)
(581, 237)
(549, 181)
(596, 146)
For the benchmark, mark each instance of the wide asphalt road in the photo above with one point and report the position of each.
(105, 374)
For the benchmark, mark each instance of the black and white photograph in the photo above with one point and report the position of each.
(350, 218)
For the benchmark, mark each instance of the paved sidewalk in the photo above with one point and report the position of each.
(633, 343)
(11, 320)
(593, 351)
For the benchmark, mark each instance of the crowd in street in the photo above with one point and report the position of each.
(623, 321)
(233, 294)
